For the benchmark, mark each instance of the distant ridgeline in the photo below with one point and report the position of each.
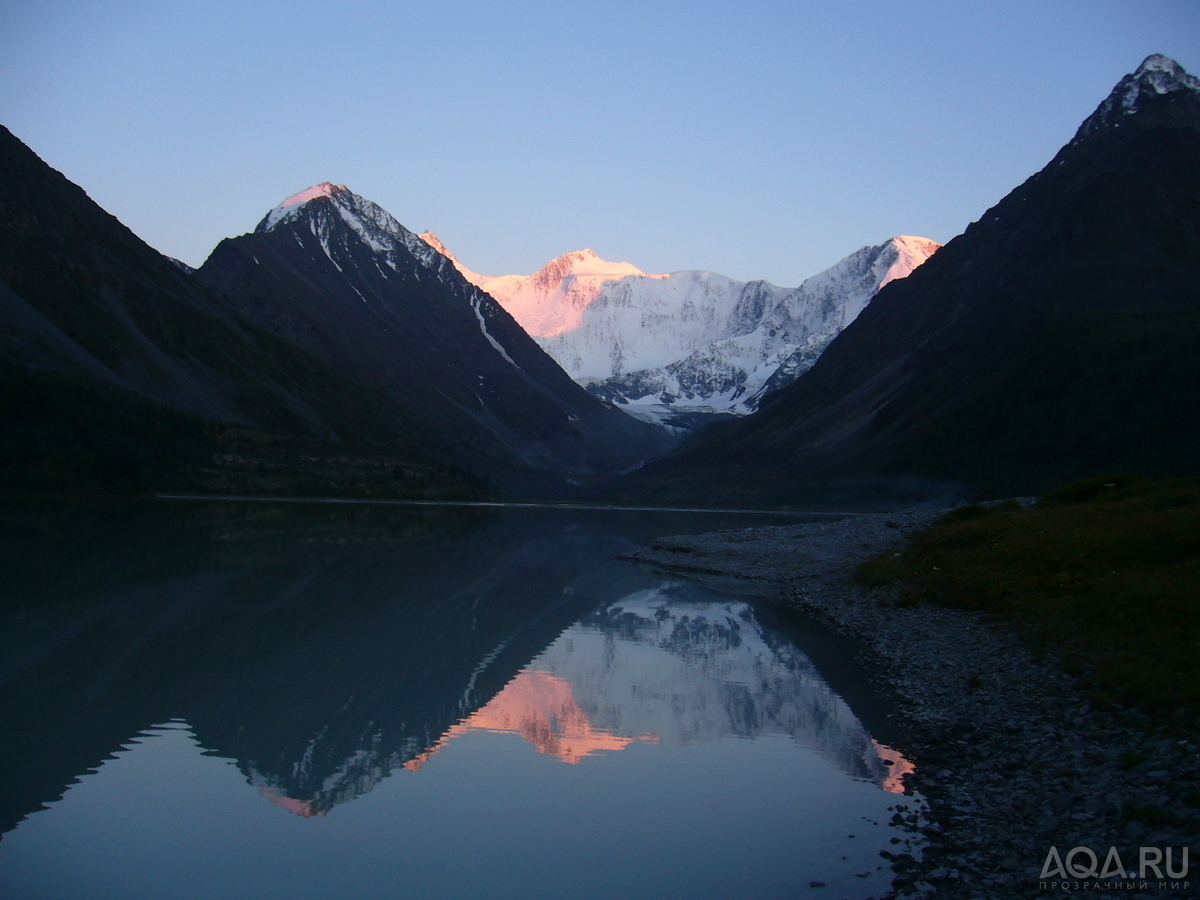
(334, 352)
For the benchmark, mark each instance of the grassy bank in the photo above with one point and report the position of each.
(1107, 572)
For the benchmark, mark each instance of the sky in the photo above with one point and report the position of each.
(758, 139)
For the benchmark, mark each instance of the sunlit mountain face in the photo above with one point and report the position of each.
(679, 348)
(542, 708)
(552, 300)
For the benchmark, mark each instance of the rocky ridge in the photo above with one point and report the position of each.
(1011, 756)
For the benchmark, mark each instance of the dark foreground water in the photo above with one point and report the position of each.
(203, 700)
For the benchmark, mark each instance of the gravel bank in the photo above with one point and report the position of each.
(1011, 758)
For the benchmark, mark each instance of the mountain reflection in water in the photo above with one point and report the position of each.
(322, 651)
(653, 667)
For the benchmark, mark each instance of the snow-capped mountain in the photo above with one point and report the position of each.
(1157, 75)
(669, 347)
(552, 300)
(374, 225)
(688, 672)
(336, 274)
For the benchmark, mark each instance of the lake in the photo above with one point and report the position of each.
(259, 700)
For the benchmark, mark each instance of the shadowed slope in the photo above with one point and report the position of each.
(336, 274)
(1054, 339)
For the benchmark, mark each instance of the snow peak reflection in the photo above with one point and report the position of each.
(1156, 868)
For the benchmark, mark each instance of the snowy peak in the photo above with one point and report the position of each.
(1160, 75)
(551, 300)
(1156, 76)
(579, 264)
(324, 204)
(587, 262)
(289, 207)
(911, 251)
(669, 348)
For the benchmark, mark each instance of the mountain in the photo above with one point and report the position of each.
(689, 669)
(552, 300)
(768, 337)
(117, 368)
(335, 274)
(82, 296)
(122, 369)
(1054, 339)
(678, 348)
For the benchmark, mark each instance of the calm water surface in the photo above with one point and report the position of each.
(207, 700)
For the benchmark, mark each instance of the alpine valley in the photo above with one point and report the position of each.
(334, 352)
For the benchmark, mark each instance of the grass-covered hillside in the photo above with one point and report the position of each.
(1107, 571)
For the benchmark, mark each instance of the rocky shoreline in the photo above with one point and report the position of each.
(1011, 757)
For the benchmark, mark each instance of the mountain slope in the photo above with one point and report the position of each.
(676, 348)
(1056, 338)
(337, 275)
(120, 371)
(81, 295)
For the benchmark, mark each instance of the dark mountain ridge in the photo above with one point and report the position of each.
(82, 296)
(1054, 339)
(122, 370)
(338, 276)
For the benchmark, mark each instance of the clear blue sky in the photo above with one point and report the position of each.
(756, 139)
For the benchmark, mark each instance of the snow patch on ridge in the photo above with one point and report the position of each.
(289, 207)
(475, 304)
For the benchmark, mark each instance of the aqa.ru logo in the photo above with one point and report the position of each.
(1083, 863)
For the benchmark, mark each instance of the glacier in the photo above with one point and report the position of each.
(678, 348)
